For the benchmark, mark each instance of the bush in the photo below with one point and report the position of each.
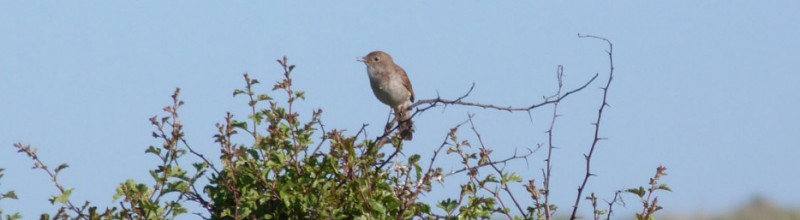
(283, 173)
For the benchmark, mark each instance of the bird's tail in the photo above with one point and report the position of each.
(406, 126)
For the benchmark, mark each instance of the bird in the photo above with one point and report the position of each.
(392, 87)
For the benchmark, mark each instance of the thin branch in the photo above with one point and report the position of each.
(611, 203)
(499, 171)
(201, 156)
(495, 162)
(473, 176)
(459, 101)
(431, 172)
(324, 138)
(550, 146)
(596, 124)
(38, 164)
(380, 140)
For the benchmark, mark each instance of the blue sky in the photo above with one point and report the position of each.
(704, 88)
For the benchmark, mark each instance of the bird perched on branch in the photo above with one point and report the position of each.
(391, 86)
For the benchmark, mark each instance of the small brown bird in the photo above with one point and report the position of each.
(391, 86)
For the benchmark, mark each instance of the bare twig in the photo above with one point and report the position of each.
(459, 101)
(380, 140)
(550, 146)
(613, 201)
(588, 157)
(324, 138)
(201, 156)
(496, 162)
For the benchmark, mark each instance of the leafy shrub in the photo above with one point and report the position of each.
(284, 174)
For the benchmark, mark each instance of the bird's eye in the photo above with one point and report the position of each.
(376, 59)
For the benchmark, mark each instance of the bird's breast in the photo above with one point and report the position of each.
(389, 88)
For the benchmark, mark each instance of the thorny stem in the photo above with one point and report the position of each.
(550, 146)
(612, 202)
(588, 157)
(380, 140)
(438, 100)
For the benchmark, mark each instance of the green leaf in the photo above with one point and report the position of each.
(264, 97)
(417, 170)
(200, 166)
(153, 150)
(490, 178)
(664, 187)
(178, 209)
(237, 92)
(377, 207)
(61, 167)
(118, 194)
(14, 216)
(239, 124)
(425, 208)
(178, 186)
(10, 195)
(63, 198)
(413, 159)
(176, 172)
(448, 205)
(510, 177)
(638, 191)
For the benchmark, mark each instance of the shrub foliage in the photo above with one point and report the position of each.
(296, 169)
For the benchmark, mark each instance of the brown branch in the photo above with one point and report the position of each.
(201, 156)
(252, 104)
(380, 140)
(473, 176)
(495, 162)
(38, 164)
(550, 146)
(430, 172)
(459, 101)
(611, 203)
(651, 206)
(499, 171)
(324, 138)
(588, 157)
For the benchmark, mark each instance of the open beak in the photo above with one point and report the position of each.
(361, 59)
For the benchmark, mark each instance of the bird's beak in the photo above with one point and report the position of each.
(361, 59)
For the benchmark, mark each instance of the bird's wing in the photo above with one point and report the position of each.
(406, 82)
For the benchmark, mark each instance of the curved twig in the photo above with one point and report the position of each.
(596, 124)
